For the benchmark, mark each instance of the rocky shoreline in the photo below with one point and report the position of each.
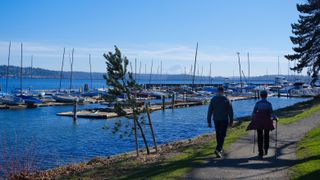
(164, 151)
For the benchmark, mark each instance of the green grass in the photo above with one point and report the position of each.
(173, 167)
(189, 158)
(309, 153)
(304, 114)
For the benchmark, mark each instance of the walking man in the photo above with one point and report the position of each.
(221, 112)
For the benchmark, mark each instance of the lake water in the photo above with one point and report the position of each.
(40, 84)
(54, 140)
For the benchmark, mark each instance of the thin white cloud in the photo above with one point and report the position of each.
(173, 56)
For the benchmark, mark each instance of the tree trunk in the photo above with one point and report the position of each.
(142, 134)
(151, 128)
(136, 137)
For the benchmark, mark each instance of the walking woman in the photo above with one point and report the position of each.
(262, 121)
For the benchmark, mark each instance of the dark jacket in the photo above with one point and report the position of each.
(221, 108)
(262, 116)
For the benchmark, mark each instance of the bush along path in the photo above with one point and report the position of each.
(240, 162)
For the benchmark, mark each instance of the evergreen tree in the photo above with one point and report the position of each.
(122, 83)
(307, 39)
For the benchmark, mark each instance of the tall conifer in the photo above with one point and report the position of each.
(307, 39)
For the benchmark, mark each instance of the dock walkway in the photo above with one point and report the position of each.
(101, 114)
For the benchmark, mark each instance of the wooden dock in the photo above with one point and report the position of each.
(100, 114)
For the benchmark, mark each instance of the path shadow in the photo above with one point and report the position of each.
(273, 163)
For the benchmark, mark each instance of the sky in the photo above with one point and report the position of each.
(155, 31)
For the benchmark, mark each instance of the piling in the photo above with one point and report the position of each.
(163, 103)
(75, 104)
(173, 100)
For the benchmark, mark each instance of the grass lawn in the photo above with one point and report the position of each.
(309, 153)
(176, 166)
(183, 163)
(304, 114)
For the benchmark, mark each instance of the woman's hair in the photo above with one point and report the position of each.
(220, 89)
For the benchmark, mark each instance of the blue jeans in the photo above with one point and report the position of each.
(221, 131)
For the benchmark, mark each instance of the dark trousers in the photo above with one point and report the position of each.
(263, 140)
(221, 130)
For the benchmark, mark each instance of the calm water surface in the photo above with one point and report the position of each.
(55, 140)
(40, 84)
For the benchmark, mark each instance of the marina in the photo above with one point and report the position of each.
(159, 89)
(57, 140)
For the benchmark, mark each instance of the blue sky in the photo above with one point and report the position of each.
(158, 30)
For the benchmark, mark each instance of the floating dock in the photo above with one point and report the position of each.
(103, 114)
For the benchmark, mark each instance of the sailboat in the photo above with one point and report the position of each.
(9, 99)
(65, 97)
(92, 92)
(28, 99)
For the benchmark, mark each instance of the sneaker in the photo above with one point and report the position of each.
(260, 155)
(218, 153)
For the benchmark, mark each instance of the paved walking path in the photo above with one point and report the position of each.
(241, 163)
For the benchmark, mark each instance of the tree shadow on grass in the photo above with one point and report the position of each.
(311, 175)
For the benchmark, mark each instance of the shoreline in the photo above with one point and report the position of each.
(165, 150)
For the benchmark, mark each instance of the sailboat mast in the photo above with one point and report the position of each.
(210, 74)
(161, 73)
(21, 61)
(31, 67)
(64, 51)
(7, 78)
(140, 64)
(150, 72)
(201, 74)
(194, 67)
(90, 71)
(185, 74)
(278, 67)
(248, 78)
(135, 69)
(239, 69)
(71, 73)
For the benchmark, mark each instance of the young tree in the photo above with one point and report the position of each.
(121, 82)
(307, 38)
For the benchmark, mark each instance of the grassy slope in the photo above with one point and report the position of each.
(182, 163)
(169, 168)
(309, 153)
(304, 114)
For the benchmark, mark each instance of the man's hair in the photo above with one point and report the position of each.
(220, 89)
(263, 93)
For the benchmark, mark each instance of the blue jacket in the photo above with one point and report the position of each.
(220, 109)
(264, 105)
